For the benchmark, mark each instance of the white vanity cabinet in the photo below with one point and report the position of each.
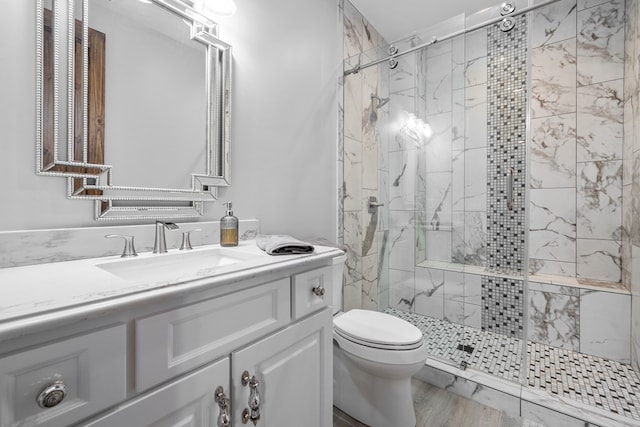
(293, 373)
(248, 353)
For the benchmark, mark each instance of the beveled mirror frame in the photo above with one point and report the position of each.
(93, 181)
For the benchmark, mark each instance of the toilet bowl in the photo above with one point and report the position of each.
(374, 356)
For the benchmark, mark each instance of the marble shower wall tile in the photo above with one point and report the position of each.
(476, 56)
(403, 166)
(475, 115)
(437, 150)
(600, 40)
(457, 237)
(438, 201)
(454, 286)
(458, 120)
(370, 282)
(403, 76)
(401, 290)
(369, 224)
(552, 222)
(475, 238)
(352, 32)
(429, 292)
(438, 84)
(604, 324)
(340, 193)
(353, 244)
(383, 191)
(626, 243)
(457, 180)
(370, 40)
(370, 133)
(438, 246)
(401, 243)
(458, 63)
(554, 319)
(553, 151)
(475, 187)
(553, 23)
(631, 201)
(599, 200)
(553, 79)
(473, 316)
(553, 289)
(600, 121)
(585, 4)
(555, 268)
(635, 306)
(473, 289)
(352, 187)
(364, 159)
(635, 203)
(598, 260)
(352, 296)
(353, 108)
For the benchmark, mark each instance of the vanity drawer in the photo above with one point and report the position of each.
(311, 291)
(92, 367)
(176, 341)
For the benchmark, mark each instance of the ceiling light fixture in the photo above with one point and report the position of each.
(215, 7)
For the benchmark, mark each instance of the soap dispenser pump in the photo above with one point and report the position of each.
(229, 228)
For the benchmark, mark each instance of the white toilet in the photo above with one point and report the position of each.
(374, 357)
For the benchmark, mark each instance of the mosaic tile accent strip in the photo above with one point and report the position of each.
(502, 299)
(598, 382)
(502, 306)
(506, 120)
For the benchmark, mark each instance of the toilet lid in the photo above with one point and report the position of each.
(377, 329)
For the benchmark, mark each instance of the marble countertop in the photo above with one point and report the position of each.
(39, 293)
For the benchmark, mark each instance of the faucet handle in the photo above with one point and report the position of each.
(186, 239)
(129, 248)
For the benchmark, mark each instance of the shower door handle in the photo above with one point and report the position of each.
(510, 189)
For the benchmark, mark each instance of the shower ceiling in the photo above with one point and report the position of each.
(395, 19)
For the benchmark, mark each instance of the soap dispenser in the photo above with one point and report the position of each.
(229, 228)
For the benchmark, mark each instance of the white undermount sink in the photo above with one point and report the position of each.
(173, 265)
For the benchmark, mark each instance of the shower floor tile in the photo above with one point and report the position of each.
(602, 383)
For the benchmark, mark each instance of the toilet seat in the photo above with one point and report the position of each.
(377, 345)
(379, 337)
(378, 330)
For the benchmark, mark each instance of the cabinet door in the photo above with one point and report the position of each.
(188, 401)
(294, 371)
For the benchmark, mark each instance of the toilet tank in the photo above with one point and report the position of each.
(338, 268)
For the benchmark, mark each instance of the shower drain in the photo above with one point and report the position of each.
(465, 348)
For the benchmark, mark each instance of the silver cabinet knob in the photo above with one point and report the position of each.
(129, 248)
(224, 418)
(318, 291)
(52, 395)
(253, 412)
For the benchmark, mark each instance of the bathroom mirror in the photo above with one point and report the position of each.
(133, 105)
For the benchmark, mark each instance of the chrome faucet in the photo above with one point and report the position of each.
(160, 243)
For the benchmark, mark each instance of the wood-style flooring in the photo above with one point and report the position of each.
(439, 408)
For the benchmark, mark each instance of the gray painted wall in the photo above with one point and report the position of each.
(284, 121)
